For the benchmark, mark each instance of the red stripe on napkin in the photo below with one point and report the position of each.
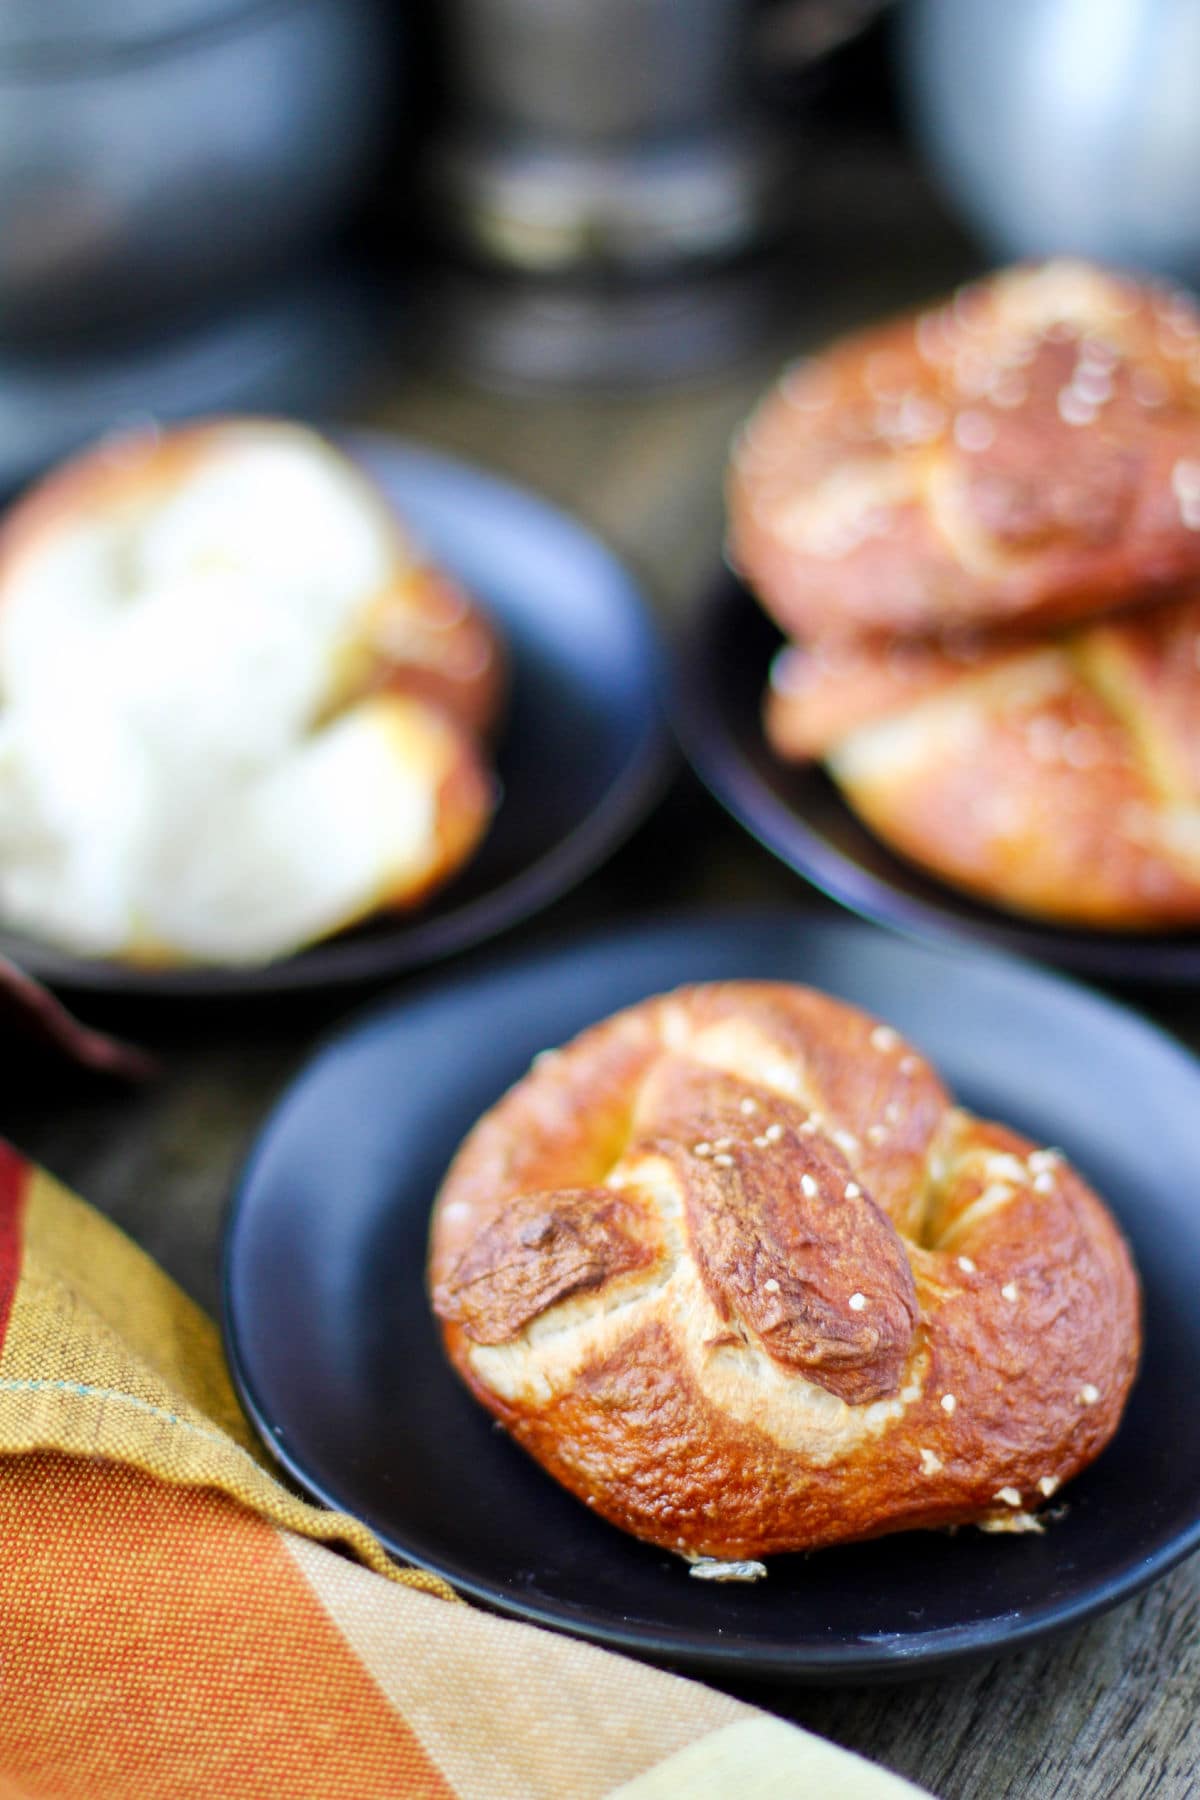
(14, 1180)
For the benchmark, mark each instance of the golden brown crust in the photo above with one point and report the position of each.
(818, 694)
(782, 1251)
(137, 467)
(1025, 454)
(542, 1248)
(1060, 779)
(843, 1308)
(424, 636)
(464, 791)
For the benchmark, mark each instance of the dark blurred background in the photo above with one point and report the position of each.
(276, 204)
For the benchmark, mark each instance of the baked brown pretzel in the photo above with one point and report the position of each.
(736, 1272)
(1028, 452)
(1059, 778)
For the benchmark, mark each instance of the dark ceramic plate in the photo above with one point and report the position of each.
(339, 1363)
(582, 756)
(799, 814)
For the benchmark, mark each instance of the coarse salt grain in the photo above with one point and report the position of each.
(1009, 1290)
(930, 1464)
(884, 1038)
(773, 1133)
(1049, 1484)
(809, 1186)
(1088, 1394)
(722, 1161)
(1009, 1495)
(974, 431)
(1093, 385)
(771, 1287)
(857, 1302)
(948, 1403)
(1185, 480)
(748, 1107)
(852, 1190)
(1073, 409)
(966, 1265)
(1008, 391)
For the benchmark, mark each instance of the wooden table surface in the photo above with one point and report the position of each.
(1109, 1710)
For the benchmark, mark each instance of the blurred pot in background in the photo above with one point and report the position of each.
(601, 136)
(1064, 124)
(605, 176)
(158, 154)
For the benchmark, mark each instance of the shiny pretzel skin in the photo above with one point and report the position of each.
(1027, 453)
(1058, 778)
(734, 1269)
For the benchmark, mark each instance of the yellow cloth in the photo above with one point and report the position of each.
(173, 1622)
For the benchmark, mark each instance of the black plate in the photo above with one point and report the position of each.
(799, 814)
(338, 1361)
(582, 756)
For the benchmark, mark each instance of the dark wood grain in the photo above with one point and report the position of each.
(1109, 1710)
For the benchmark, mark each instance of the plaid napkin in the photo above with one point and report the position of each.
(174, 1623)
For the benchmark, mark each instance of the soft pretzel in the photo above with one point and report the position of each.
(1027, 453)
(736, 1272)
(239, 709)
(409, 627)
(1059, 778)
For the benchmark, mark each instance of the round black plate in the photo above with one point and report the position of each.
(582, 756)
(799, 814)
(338, 1361)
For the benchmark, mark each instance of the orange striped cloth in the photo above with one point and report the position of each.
(174, 1623)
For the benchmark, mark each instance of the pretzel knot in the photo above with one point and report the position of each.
(1022, 455)
(736, 1272)
(1060, 777)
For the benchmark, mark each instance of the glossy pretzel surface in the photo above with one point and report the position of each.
(1025, 453)
(1058, 777)
(736, 1271)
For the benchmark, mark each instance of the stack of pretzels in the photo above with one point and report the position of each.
(980, 528)
(734, 1268)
